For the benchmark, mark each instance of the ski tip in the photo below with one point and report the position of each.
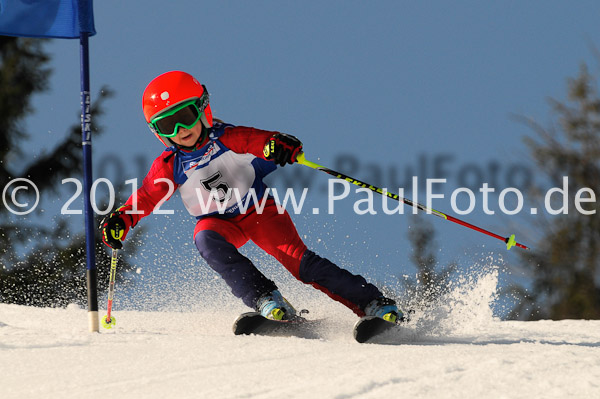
(368, 327)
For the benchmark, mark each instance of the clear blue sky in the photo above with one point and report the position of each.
(390, 84)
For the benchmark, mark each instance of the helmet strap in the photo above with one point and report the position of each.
(203, 137)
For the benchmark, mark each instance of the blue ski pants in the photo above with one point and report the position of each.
(217, 240)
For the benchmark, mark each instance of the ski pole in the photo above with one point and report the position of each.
(109, 321)
(510, 240)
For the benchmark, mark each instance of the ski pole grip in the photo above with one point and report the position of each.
(301, 159)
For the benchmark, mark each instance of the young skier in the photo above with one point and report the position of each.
(206, 159)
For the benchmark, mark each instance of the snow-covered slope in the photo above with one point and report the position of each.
(453, 351)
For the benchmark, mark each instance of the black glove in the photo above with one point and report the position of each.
(282, 148)
(115, 227)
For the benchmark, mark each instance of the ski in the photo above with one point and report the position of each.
(367, 329)
(370, 327)
(255, 323)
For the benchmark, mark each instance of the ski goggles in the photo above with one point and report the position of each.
(184, 115)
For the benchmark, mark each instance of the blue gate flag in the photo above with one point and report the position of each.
(65, 19)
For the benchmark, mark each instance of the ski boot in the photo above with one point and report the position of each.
(275, 307)
(384, 308)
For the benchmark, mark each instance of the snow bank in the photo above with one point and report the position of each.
(455, 349)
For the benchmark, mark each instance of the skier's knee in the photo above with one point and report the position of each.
(208, 241)
(312, 266)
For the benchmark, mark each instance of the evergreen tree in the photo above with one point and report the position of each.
(40, 264)
(565, 263)
(429, 283)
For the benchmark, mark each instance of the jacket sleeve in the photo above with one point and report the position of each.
(157, 186)
(246, 140)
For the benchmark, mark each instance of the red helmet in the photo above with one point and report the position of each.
(168, 90)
